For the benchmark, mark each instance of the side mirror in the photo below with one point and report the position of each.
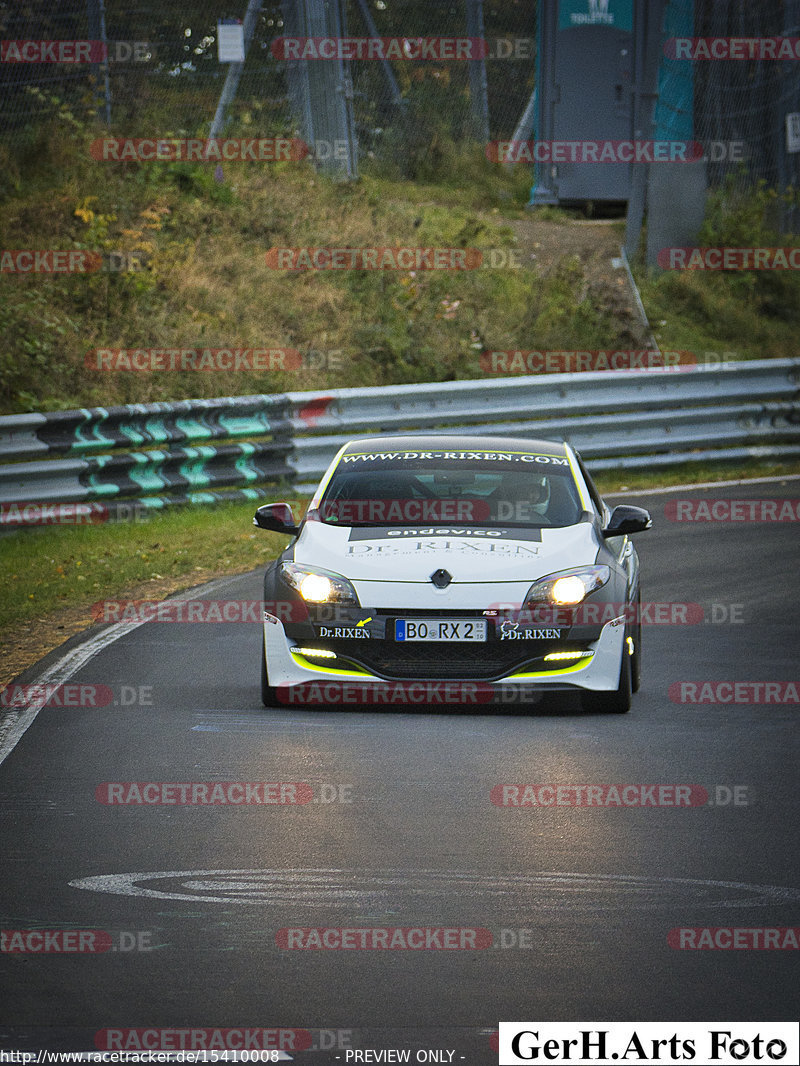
(276, 517)
(627, 519)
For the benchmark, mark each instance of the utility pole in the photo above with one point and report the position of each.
(235, 70)
(321, 91)
(372, 29)
(96, 18)
(478, 89)
(788, 168)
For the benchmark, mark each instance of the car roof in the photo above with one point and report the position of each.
(451, 442)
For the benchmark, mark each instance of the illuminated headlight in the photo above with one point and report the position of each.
(568, 588)
(315, 588)
(315, 653)
(319, 586)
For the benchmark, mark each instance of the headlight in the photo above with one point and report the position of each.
(319, 586)
(568, 588)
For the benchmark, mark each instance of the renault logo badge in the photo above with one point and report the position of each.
(441, 579)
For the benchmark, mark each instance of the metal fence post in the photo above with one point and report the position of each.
(478, 89)
(234, 70)
(96, 18)
(321, 91)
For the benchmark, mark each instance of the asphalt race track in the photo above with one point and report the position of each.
(402, 832)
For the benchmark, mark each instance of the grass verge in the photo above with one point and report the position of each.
(52, 576)
(744, 314)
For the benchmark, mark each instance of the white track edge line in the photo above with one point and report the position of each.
(15, 722)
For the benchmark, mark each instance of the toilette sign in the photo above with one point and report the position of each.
(615, 13)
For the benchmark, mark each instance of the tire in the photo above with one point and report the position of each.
(636, 658)
(616, 702)
(269, 695)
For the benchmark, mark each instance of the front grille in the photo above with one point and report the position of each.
(398, 661)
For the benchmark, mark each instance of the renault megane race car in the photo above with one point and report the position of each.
(486, 562)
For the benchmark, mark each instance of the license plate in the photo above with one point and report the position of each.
(440, 629)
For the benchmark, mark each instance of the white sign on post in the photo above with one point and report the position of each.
(230, 41)
(793, 131)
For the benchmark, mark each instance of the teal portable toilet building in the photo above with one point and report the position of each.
(597, 74)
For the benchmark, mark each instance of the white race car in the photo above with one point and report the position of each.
(483, 568)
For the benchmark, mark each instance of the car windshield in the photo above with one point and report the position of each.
(488, 489)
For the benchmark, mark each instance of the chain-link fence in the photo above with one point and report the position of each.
(163, 74)
(405, 112)
(740, 110)
(162, 69)
(26, 88)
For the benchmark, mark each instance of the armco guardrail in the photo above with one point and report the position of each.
(622, 418)
(100, 466)
(630, 419)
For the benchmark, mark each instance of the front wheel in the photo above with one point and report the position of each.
(617, 702)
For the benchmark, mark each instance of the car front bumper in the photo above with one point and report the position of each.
(295, 675)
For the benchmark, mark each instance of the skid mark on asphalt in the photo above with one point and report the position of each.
(264, 723)
(11, 803)
(376, 890)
